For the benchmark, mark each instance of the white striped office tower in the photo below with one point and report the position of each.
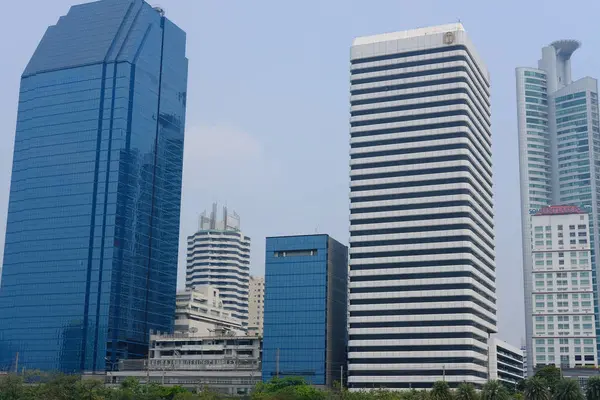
(422, 285)
(218, 254)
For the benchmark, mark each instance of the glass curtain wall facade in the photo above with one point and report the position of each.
(559, 152)
(90, 260)
(305, 313)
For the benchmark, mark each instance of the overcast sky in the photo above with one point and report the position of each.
(267, 117)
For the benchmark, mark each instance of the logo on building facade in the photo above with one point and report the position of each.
(448, 37)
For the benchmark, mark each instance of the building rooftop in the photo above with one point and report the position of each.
(566, 47)
(560, 210)
(431, 30)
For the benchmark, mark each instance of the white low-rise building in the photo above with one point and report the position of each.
(506, 362)
(222, 362)
(200, 311)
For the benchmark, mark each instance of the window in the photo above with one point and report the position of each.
(539, 327)
(571, 226)
(563, 341)
(560, 227)
(540, 349)
(540, 341)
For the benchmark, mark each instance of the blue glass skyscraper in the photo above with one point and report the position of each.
(305, 311)
(90, 260)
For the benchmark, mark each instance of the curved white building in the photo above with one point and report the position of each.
(219, 255)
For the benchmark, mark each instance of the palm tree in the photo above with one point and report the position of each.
(494, 390)
(536, 389)
(440, 391)
(568, 389)
(465, 391)
(592, 388)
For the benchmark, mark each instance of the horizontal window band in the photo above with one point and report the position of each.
(411, 96)
(420, 160)
(418, 360)
(409, 85)
(419, 335)
(409, 150)
(409, 139)
(424, 184)
(418, 172)
(406, 385)
(421, 299)
(425, 252)
(432, 287)
(423, 275)
(423, 127)
(406, 64)
(418, 348)
(422, 311)
(417, 264)
(419, 240)
(419, 206)
(383, 98)
(406, 75)
(412, 53)
(411, 324)
(406, 107)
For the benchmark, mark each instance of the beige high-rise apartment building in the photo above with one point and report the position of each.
(256, 301)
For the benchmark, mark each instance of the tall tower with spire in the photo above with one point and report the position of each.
(559, 159)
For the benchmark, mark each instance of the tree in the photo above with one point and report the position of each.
(551, 375)
(12, 388)
(494, 390)
(465, 391)
(440, 391)
(592, 388)
(536, 389)
(568, 389)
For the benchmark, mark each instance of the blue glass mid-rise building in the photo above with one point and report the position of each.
(90, 260)
(305, 310)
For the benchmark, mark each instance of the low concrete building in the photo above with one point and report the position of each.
(222, 362)
(200, 311)
(506, 362)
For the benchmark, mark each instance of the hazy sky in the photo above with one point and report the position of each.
(267, 117)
